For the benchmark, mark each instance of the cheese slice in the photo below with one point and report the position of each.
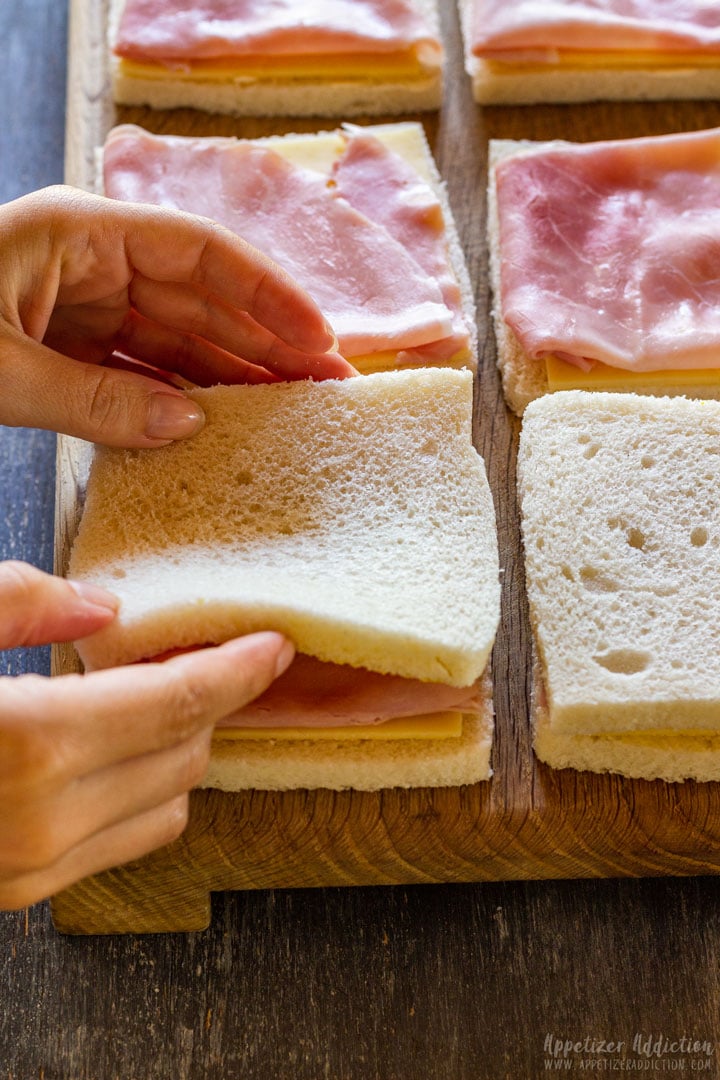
(568, 60)
(402, 65)
(444, 725)
(564, 376)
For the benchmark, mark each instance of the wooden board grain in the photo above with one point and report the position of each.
(528, 822)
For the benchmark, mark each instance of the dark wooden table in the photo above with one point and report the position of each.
(414, 983)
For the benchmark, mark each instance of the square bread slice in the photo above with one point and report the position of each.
(424, 191)
(354, 516)
(620, 504)
(523, 378)
(343, 85)
(593, 75)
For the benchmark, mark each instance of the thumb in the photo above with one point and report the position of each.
(37, 608)
(45, 389)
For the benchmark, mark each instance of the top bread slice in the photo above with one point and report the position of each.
(602, 77)
(620, 502)
(354, 516)
(524, 379)
(372, 94)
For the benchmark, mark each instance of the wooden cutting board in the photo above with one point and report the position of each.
(528, 821)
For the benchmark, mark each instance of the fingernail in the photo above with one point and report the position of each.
(284, 658)
(171, 416)
(333, 336)
(94, 595)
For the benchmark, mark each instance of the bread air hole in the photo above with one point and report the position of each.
(699, 536)
(636, 539)
(623, 661)
(595, 581)
(591, 451)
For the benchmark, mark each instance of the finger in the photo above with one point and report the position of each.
(195, 360)
(144, 707)
(44, 389)
(202, 316)
(110, 847)
(168, 245)
(37, 608)
(42, 830)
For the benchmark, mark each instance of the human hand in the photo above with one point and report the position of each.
(86, 277)
(95, 769)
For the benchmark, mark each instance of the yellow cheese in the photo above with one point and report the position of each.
(564, 376)
(443, 725)
(319, 151)
(569, 60)
(402, 65)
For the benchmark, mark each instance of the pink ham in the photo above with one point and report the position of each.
(316, 694)
(527, 29)
(384, 187)
(174, 31)
(369, 288)
(611, 251)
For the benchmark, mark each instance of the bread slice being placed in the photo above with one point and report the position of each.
(320, 58)
(358, 216)
(599, 256)
(620, 504)
(353, 516)
(518, 52)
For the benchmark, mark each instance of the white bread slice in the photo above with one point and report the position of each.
(525, 379)
(354, 516)
(370, 95)
(674, 757)
(620, 503)
(495, 83)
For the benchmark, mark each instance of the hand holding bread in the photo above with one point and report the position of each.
(95, 771)
(85, 278)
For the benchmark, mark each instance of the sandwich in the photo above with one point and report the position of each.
(325, 58)
(620, 511)
(355, 517)
(358, 216)
(603, 262)
(521, 52)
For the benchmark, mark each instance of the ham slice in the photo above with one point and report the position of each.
(371, 290)
(526, 29)
(312, 693)
(174, 31)
(384, 187)
(611, 251)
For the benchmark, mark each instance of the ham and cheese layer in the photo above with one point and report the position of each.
(611, 251)
(537, 31)
(363, 273)
(384, 187)
(173, 32)
(316, 694)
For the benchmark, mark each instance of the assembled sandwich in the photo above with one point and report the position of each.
(604, 265)
(315, 58)
(620, 503)
(521, 52)
(353, 516)
(358, 217)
